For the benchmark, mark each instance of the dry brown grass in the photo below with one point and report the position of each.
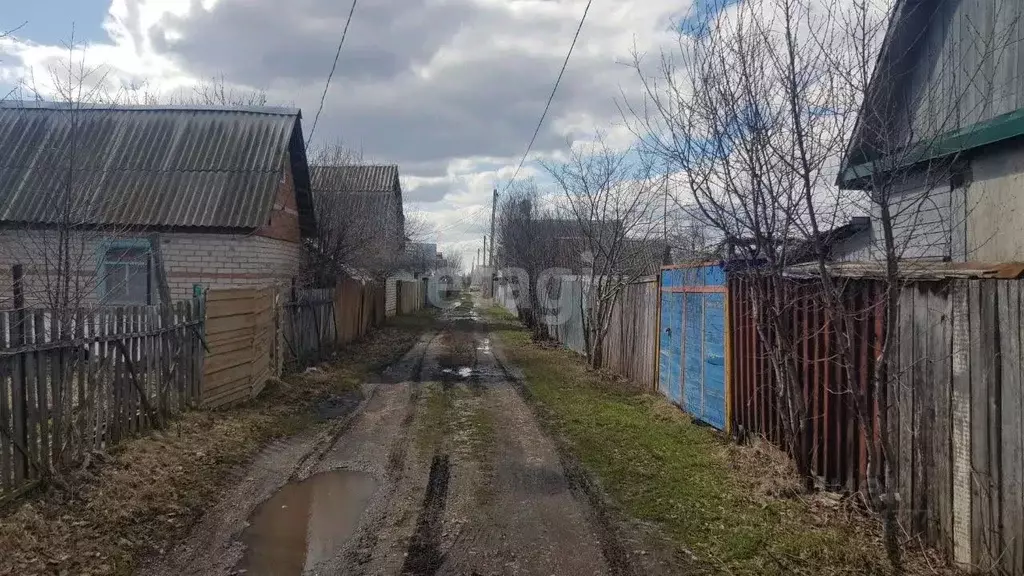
(149, 491)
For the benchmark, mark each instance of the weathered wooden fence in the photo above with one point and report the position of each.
(955, 414)
(631, 343)
(959, 425)
(84, 380)
(357, 308)
(631, 346)
(309, 328)
(412, 296)
(244, 349)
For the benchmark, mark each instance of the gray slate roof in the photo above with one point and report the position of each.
(149, 166)
(356, 178)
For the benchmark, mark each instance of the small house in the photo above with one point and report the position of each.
(84, 190)
(939, 135)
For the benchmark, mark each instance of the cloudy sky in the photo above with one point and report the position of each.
(451, 90)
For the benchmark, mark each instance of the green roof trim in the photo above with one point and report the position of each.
(1002, 127)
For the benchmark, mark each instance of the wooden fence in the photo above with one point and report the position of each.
(87, 379)
(357, 308)
(309, 329)
(955, 413)
(411, 295)
(244, 349)
(631, 345)
(958, 429)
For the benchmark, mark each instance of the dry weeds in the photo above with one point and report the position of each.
(147, 493)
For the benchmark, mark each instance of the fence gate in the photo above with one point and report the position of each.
(692, 348)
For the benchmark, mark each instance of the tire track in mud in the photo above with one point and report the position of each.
(618, 558)
(424, 557)
(362, 553)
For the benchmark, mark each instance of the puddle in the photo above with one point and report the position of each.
(305, 523)
(485, 346)
(464, 372)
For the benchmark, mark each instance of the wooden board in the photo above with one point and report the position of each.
(1012, 407)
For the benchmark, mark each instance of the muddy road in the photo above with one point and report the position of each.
(441, 469)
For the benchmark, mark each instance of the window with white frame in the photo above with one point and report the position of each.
(126, 273)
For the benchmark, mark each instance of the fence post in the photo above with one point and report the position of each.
(19, 398)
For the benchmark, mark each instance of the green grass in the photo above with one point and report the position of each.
(662, 468)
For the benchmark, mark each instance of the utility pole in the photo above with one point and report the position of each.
(494, 208)
(484, 261)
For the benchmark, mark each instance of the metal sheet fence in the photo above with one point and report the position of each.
(90, 380)
(835, 442)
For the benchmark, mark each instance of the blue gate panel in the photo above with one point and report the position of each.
(671, 344)
(692, 344)
(693, 355)
(714, 360)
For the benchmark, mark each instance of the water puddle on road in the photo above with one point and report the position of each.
(305, 523)
(485, 346)
(464, 372)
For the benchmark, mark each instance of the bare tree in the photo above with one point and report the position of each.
(525, 247)
(610, 199)
(356, 228)
(755, 113)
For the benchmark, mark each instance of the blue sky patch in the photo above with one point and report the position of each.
(51, 21)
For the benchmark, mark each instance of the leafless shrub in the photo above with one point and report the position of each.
(611, 202)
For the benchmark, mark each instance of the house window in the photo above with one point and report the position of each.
(126, 274)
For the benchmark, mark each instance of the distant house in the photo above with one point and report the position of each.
(420, 257)
(570, 244)
(944, 121)
(360, 207)
(227, 189)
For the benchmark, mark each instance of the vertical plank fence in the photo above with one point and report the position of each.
(85, 379)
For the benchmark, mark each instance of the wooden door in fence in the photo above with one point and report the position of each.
(241, 332)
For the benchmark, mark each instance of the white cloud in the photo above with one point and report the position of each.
(449, 89)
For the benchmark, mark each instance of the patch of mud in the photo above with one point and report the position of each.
(305, 523)
(424, 557)
(338, 406)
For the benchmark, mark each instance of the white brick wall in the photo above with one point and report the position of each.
(213, 260)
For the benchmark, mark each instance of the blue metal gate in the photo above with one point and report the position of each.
(693, 341)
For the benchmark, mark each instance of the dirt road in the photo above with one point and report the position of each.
(443, 469)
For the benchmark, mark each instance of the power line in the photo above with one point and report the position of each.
(334, 66)
(551, 97)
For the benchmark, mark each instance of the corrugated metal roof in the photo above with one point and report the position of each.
(355, 178)
(149, 166)
(914, 270)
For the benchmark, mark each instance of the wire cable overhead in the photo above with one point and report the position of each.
(334, 66)
(547, 106)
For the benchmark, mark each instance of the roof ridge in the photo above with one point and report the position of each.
(84, 107)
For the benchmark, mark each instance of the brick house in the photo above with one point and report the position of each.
(85, 188)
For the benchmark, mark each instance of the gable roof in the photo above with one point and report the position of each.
(931, 48)
(208, 167)
(356, 178)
